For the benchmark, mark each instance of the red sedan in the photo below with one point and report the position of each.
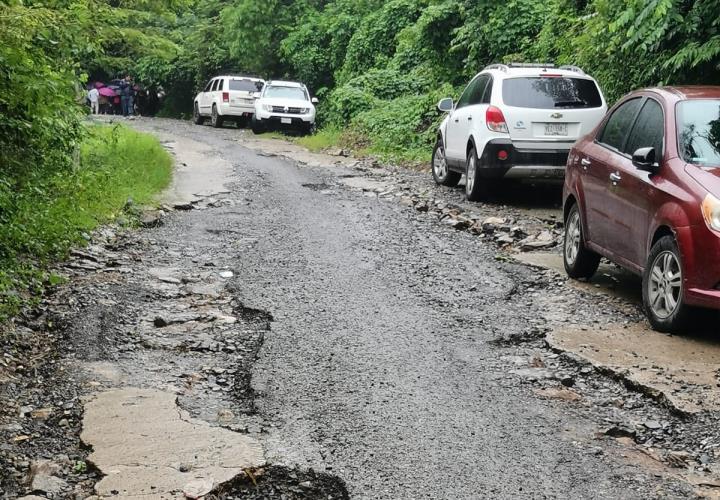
(643, 190)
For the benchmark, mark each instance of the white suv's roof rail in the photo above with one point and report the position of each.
(569, 67)
(531, 65)
(506, 67)
(249, 77)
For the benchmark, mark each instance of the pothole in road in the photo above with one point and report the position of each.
(282, 482)
(258, 322)
(318, 187)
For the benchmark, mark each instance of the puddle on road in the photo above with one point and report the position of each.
(609, 279)
(366, 184)
(683, 370)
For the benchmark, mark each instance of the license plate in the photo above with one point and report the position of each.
(556, 129)
(286, 121)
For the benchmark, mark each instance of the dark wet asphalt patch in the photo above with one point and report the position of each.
(317, 187)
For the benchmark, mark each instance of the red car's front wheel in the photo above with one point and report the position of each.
(663, 287)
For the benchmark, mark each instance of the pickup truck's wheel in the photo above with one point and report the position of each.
(663, 289)
(197, 117)
(215, 119)
(476, 187)
(256, 126)
(440, 171)
(578, 260)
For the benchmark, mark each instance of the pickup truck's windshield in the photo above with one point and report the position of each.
(698, 123)
(285, 93)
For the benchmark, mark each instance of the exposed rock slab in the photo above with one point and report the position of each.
(148, 447)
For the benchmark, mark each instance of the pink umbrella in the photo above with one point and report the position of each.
(107, 92)
(99, 85)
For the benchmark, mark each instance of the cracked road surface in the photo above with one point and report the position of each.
(380, 366)
(321, 327)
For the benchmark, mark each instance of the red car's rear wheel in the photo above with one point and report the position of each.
(578, 260)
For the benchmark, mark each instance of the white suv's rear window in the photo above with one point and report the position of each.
(551, 92)
(244, 85)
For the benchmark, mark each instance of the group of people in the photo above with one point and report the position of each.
(123, 97)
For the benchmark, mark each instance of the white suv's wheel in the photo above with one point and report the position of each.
(197, 117)
(215, 119)
(476, 187)
(440, 171)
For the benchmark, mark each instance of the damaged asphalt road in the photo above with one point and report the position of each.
(355, 345)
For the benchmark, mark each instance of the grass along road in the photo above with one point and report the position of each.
(45, 216)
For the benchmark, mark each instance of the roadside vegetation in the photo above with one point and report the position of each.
(41, 221)
(59, 177)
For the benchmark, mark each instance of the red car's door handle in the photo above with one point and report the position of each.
(585, 163)
(615, 177)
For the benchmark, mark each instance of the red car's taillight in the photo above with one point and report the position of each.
(226, 96)
(495, 120)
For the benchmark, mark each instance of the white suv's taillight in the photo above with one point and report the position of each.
(226, 96)
(495, 120)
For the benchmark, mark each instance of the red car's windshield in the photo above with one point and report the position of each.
(698, 123)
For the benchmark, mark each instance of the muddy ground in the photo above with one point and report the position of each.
(358, 332)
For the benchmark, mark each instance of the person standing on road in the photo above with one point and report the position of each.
(126, 96)
(131, 96)
(94, 97)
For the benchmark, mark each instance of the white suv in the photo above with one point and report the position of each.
(514, 121)
(227, 97)
(284, 105)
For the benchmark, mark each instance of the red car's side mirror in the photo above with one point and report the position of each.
(644, 159)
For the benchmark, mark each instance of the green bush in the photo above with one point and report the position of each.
(373, 44)
(316, 46)
(343, 104)
(39, 121)
(54, 211)
(427, 45)
(403, 128)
